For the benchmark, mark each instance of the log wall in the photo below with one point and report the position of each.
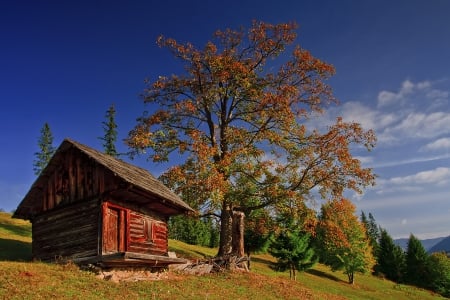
(69, 232)
(147, 235)
(126, 229)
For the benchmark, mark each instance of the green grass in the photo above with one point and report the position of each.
(23, 279)
(15, 238)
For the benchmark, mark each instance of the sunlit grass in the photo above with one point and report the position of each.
(15, 238)
(35, 280)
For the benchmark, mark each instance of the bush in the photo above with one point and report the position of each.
(439, 273)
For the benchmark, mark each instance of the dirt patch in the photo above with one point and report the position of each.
(127, 275)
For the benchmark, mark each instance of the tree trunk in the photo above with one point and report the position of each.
(351, 279)
(226, 230)
(238, 234)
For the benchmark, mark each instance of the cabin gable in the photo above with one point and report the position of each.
(74, 178)
(90, 207)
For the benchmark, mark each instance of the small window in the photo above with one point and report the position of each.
(149, 231)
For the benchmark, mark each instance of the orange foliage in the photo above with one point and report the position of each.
(343, 239)
(233, 118)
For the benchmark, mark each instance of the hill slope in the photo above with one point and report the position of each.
(427, 243)
(34, 280)
(442, 246)
(15, 238)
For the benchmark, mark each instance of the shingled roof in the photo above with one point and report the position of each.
(133, 175)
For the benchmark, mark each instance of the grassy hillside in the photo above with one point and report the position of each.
(22, 279)
(15, 238)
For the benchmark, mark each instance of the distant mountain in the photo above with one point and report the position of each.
(443, 245)
(428, 244)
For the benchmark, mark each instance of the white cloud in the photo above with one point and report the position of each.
(437, 94)
(424, 125)
(417, 125)
(440, 144)
(436, 179)
(423, 85)
(387, 98)
(411, 160)
(369, 118)
(410, 113)
(439, 176)
(409, 91)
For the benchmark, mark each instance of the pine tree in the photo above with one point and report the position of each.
(193, 231)
(416, 263)
(293, 251)
(110, 129)
(390, 258)
(46, 152)
(373, 231)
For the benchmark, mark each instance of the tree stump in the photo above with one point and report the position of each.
(238, 234)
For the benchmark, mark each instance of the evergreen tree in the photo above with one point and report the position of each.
(190, 230)
(293, 251)
(416, 263)
(214, 233)
(46, 152)
(390, 258)
(373, 231)
(110, 129)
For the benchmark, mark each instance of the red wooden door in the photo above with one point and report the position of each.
(113, 229)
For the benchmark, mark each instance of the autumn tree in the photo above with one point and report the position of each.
(46, 148)
(342, 239)
(237, 115)
(110, 132)
(258, 233)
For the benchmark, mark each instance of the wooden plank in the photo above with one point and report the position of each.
(79, 178)
(72, 173)
(66, 232)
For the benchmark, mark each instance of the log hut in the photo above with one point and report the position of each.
(89, 207)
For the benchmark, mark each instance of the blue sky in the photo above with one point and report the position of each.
(66, 62)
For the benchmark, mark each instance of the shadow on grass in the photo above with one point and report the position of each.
(324, 275)
(24, 231)
(15, 250)
(261, 260)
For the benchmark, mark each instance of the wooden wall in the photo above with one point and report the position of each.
(75, 178)
(147, 235)
(71, 231)
(128, 230)
(78, 221)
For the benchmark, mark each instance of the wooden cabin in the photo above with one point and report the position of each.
(89, 207)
